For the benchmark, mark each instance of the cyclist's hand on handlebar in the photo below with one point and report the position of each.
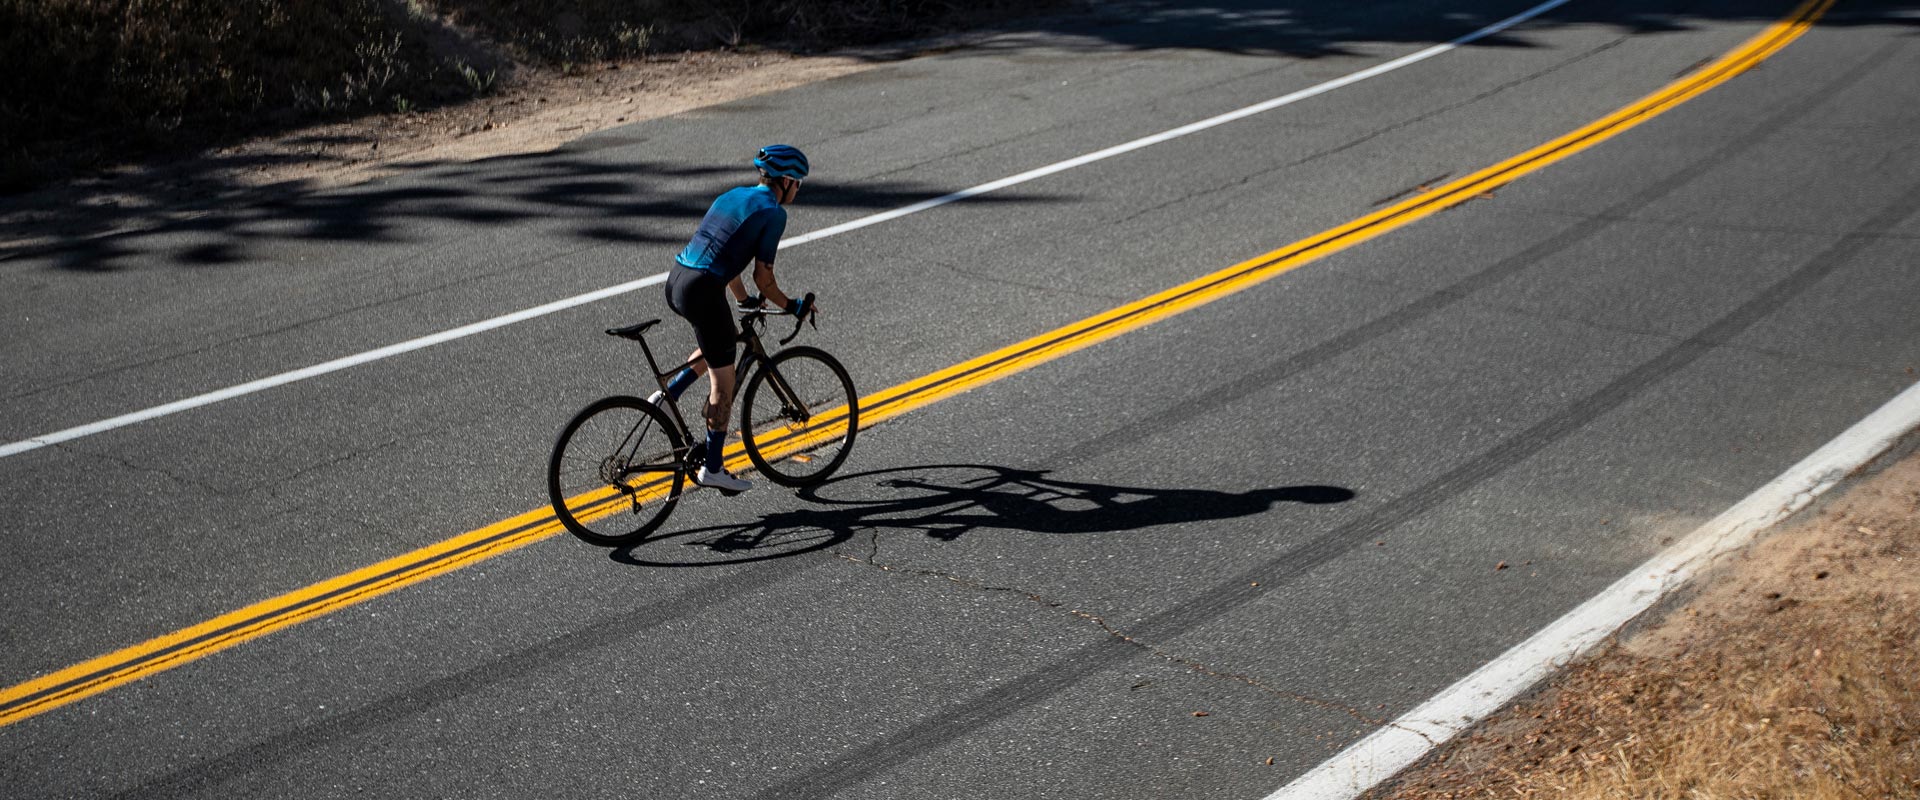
(803, 311)
(753, 302)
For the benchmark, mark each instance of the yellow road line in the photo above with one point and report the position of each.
(132, 663)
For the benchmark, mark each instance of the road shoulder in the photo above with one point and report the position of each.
(1787, 673)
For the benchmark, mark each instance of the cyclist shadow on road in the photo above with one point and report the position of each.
(949, 501)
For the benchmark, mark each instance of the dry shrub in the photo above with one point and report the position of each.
(1796, 675)
(90, 83)
(561, 32)
(573, 32)
(1806, 712)
(102, 80)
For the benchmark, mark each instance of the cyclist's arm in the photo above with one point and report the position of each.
(763, 278)
(770, 233)
(739, 290)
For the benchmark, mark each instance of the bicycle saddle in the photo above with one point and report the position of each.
(632, 331)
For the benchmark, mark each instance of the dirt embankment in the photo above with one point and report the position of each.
(1794, 673)
(86, 84)
(192, 104)
(539, 112)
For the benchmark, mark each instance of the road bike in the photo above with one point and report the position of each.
(618, 467)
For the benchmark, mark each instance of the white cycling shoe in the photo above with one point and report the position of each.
(658, 400)
(719, 479)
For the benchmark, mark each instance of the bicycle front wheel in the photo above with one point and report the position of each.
(798, 417)
(615, 472)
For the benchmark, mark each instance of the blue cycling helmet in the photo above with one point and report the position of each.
(782, 161)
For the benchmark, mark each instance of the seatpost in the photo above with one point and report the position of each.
(661, 379)
(653, 366)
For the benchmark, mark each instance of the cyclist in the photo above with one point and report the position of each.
(742, 228)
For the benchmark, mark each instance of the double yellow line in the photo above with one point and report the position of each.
(100, 674)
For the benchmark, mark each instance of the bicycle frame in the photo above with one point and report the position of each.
(768, 431)
(754, 352)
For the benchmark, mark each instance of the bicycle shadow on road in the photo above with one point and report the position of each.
(947, 501)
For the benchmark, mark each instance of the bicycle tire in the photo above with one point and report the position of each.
(799, 446)
(642, 466)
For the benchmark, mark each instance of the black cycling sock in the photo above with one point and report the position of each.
(716, 442)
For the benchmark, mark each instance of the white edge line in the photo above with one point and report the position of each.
(326, 367)
(335, 365)
(1190, 128)
(1392, 748)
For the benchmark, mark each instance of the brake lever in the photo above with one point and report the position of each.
(796, 328)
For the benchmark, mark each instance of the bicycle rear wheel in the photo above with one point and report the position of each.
(615, 471)
(798, 417)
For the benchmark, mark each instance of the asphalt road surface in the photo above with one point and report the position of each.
(1251, 531)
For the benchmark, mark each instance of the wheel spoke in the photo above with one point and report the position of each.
(793, 433)
(614, 474)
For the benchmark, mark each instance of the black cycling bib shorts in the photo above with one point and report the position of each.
(700, 297)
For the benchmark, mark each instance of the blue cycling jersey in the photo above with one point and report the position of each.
(743, 225)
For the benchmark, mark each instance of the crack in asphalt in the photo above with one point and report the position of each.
(272, 485)
(124, 463)
(1121, 635)
(272, 488)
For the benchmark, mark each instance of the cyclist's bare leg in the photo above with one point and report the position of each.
(719, 405)
(719, 391)
(681, 379)
(698, 364)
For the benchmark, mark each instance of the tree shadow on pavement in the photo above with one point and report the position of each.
(1314, 29)
(610, 201)
(570, 193)
(948, 501)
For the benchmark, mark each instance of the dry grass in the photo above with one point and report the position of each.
(1800, 712)
(1796, 675)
